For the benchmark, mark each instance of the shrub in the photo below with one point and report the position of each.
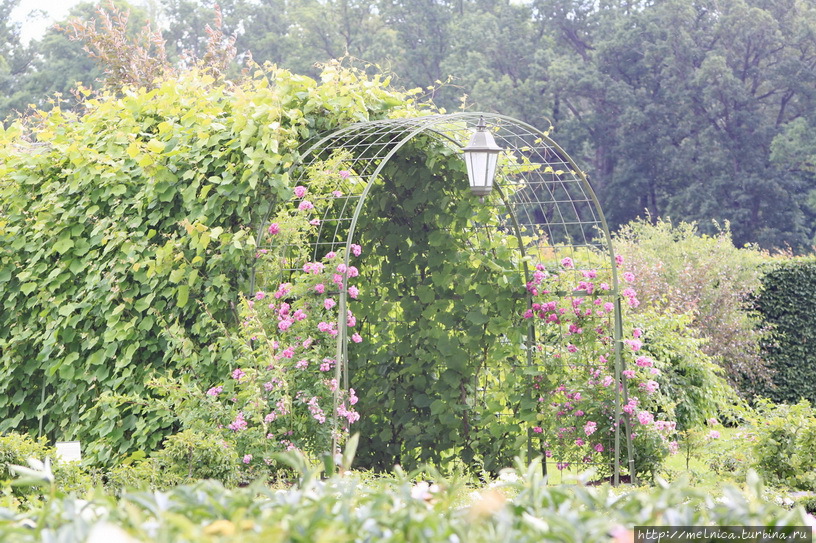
(692, 387)
(785, 444)
(786, 303)
(17, 448)
(184, 457)
(808, 503)
(283, 393)
(139, 473)
(189, 455)
(684, 272)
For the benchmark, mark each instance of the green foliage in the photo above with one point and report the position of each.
(785, 446)
(519, 506)
(723, 452)
(692, 387)
(184, 457)
(574, 391)
(786, 303)
(124, 240)
(284, 392)
(49, 70)
(430, 369)
(679, 270)
(693, 121)
(192, 455)
(697, 111)
(140, 474)
(17, 449)
(808, 503)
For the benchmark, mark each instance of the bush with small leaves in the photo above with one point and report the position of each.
(784, 443)
(707, 277)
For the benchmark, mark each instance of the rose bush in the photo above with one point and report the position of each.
(283, 391)
(577, 388)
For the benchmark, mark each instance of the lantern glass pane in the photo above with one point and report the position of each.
(490, 168)
(477, 168)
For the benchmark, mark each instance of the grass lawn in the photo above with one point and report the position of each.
(708, 461)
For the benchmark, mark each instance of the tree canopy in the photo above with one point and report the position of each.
(699, 111)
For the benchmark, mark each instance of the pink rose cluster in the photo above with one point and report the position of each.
(298, 323)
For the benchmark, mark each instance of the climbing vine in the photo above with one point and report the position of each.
(125, 240)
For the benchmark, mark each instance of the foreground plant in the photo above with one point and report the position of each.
(402, 507)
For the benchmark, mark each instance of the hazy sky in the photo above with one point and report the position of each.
(35, 25)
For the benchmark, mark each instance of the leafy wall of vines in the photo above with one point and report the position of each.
(125, 241)
(442, 308)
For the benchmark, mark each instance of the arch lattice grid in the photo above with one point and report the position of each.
(542, 203)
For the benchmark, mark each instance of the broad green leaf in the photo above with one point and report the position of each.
(156, 146)
(183, 292)
(63, 244)
(28, 288)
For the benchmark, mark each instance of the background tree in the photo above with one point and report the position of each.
(694, 110)
(16, 59)
(54, 65)
(491, 67)
(678, 104)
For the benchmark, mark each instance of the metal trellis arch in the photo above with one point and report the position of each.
(539, 190)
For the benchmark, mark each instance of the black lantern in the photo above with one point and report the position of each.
(481, 155)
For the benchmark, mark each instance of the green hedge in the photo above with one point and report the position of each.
(786, 301)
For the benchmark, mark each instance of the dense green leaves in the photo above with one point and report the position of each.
(125, 241)
(441, 312)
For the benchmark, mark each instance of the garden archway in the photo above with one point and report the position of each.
(543, 209)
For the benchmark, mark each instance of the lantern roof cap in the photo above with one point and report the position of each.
(482, 140)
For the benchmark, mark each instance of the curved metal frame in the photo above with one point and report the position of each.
(376, 142)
